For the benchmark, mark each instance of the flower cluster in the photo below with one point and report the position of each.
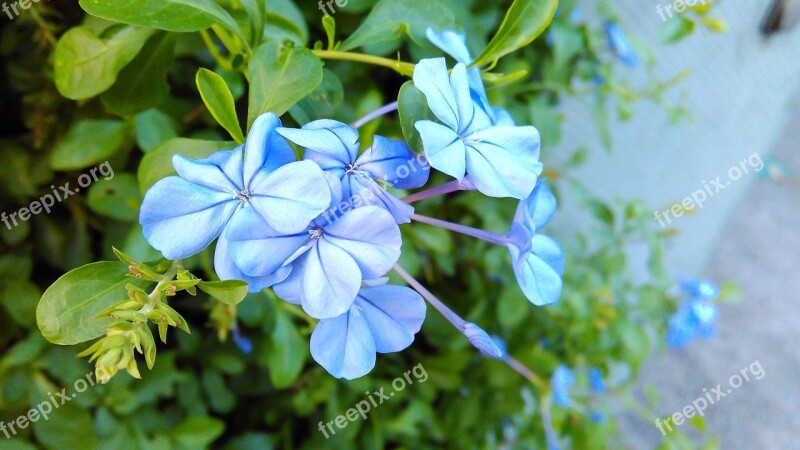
(695, 316)
(323, 232)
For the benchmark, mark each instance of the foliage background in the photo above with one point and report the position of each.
(204, 391)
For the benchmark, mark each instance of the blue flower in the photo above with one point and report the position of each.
(500, 160)
(618, 43)
(328, 260)
(243, 343)
(596, 380)
(537, 260)
(694, 318)
(334, 147)
(181, 215)
(563, 379)
(700, 289)
(382, 319)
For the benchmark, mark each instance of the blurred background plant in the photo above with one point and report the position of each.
(80, 90)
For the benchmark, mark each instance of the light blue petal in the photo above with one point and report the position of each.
(549, 251)
(226, 269)
(504, 161)
(180, 218)
(540, 283)
(563, 379)
(331, 280)
(443, 148)
(391, 160)
(394, 314)
(539, 207)
(344, 346)
(368, 192)
(265, 149)
(221, 171)
(292, 196)
(370, 236)
(471, 116)
(257, 249)
(430, 77)
(481, 340)
(452, 43)
(335, 140)
(291, 289)
(502, 117)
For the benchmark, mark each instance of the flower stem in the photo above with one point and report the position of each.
(404, 68)
(386, 109)
(484, 235)
(452, 186)
(460, 323)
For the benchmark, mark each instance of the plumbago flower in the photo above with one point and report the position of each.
(695, 316)
(500, 160)
(182, 215)
(334, 146)
(619, 44)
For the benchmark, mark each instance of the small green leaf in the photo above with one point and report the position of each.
(157, 163)
(389, 19)
(525, 20)
(285, 21)
(219, 101)
(280, 77)
(142, 84)
(66, 310)
(86, 65)
(89, 142)
(412, 107)
(117, 198)
(170, 15)
(676, 29)
(230, 292)
(197, 432)
(287, 352)
(153, 128)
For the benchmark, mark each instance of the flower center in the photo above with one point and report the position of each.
(243, 196)
(350, 168)
(316, 233)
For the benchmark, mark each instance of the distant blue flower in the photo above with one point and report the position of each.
(596, 380)
(694, 319)
(382, 319)
(243, 343)
(537, 260)
(500, 160)
(561, 382)
(700, 289)
(482, 341)
(334, 146)
(328, 260)
(182, 215)
(597, 417)
(618, 43)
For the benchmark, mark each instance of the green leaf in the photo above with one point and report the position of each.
(170, 15)
(20, 298)
(66, 311)
(676, 29)
(287, 352)
(89, 142)
(230, 292)
(412, 107)
(390, 19)
(69, 426)
(117, 198)
(142, 84)
(525, 20)
(321, 103)
(280, 77)
(285, 21)
(157, 163)
(197, 432)
(219, 101)
(86, 65)
(153, 128)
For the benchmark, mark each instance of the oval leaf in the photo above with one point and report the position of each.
(66, 311)
(219, 101)
(524, 22)
(230, 292)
